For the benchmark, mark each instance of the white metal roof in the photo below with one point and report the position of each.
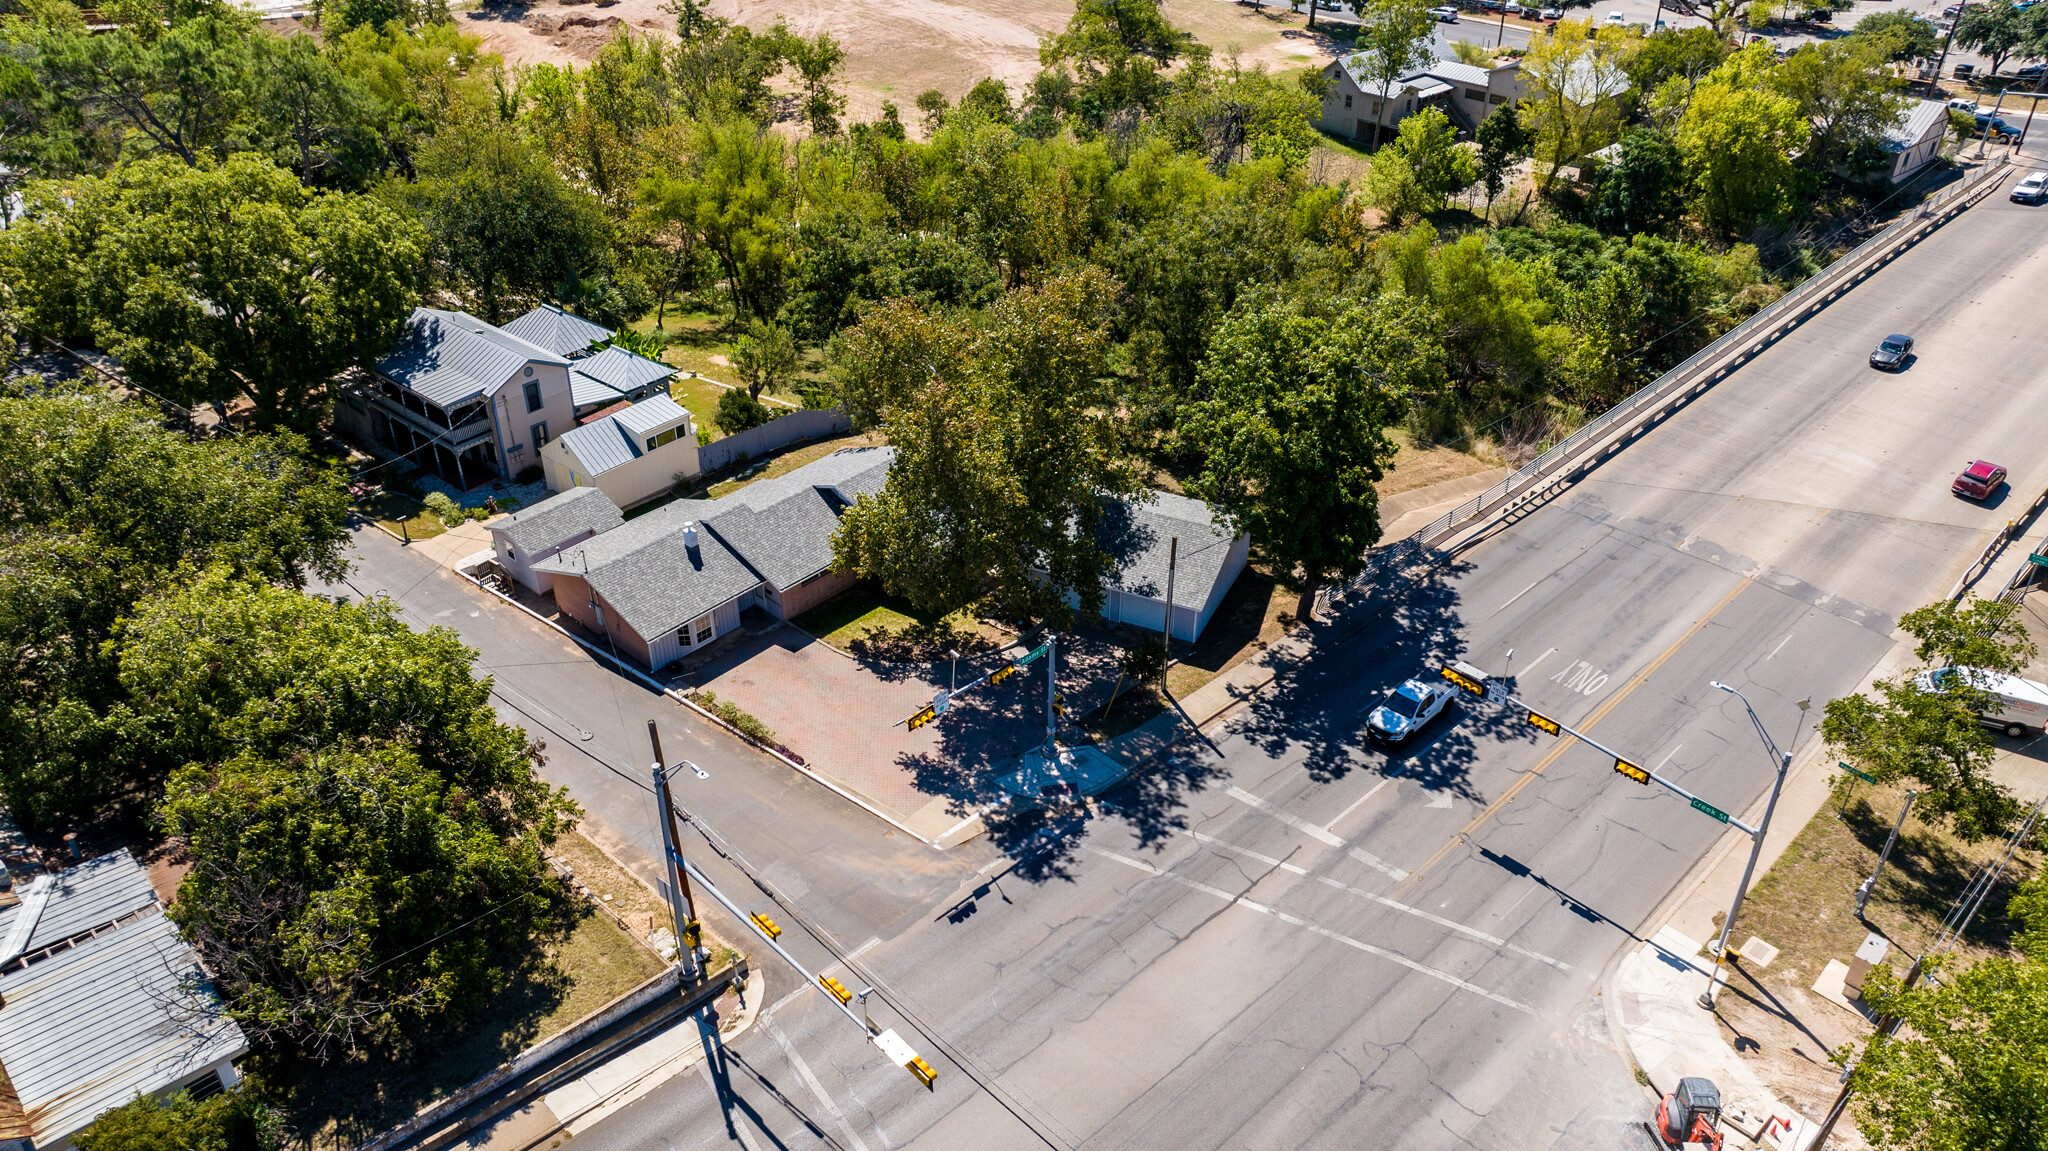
(448, 357)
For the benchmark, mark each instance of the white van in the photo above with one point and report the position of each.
(2022, 703)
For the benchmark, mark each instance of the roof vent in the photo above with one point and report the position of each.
(690, 536)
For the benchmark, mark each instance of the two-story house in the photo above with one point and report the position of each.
(1467, 93)
(467, 399)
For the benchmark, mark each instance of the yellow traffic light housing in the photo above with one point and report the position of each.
(924, 1073)
(766, 925)
(835, 988)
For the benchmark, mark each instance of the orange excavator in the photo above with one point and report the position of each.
(1690, 1116)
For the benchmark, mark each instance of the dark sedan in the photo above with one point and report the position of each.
(1890, 353)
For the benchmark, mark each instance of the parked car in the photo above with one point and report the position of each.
(1616, 18)
(1965, 71)
(1978, 480)
(1962, 105)
(2031, 189)
(1890, 352)
(1407, 709)
(2031, 74)
(1986, 122)
(2013, 705)
(1445, 14)
(1551, 14)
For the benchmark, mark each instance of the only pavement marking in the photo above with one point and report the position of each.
(1294, 821)
(803, 1071)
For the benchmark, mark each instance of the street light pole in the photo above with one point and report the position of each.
(1783, 761)
(682, 908)
(953, 680)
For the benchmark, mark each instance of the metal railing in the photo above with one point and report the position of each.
(1716, 359)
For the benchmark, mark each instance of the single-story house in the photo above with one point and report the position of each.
(634, 453)
(532, 534)
(1467, 93)
(559, 332)
(605, 378)
(1914, 139)
(666, 583)
(1169, 536)
(100, 1001)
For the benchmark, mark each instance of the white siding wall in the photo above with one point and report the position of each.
(664, 649)
(520, 567)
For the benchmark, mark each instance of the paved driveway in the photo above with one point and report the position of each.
(843, 715)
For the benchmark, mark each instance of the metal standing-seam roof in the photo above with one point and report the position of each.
(54, 908)
(1138, 537)
(603, 444)
(558, 331)
(447, 357)
(1912, 126)
(127, 1012)
(558, 518)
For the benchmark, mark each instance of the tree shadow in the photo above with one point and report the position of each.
(1926, 872)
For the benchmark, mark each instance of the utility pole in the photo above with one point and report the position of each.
(1948, 40)
(1870, 885)
(1052, 659)
(1985, 137)
(689, 934)
(1783, 762)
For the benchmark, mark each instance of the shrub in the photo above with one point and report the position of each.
(530, 474)
(230, 1121)
(738, 411)
(745, 724)
(445, 507)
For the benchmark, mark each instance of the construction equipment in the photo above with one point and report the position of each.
(1690, 1116)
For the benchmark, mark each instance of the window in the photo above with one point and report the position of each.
(1496, 99)
(1347, 99)
(703, 628)
(540, 436)
(510, 554)
(529, 370)
(683, 635)
(533, 400)
(662, 440)
(1375, 107)
(1475, 95)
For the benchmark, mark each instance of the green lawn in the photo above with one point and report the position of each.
(402, 515)
(852, 615)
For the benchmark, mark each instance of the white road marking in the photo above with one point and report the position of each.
(1440, 921)
(1537, 660)
(1779, 648)
(1666, 759)
(1375, 790)
(1377, 864)
(1248, 853)
(1297, 921)
(803, 1071)
(1291, 820)
(1518, 595)
(1442, 801)
(1503, 912)
(735, 1120)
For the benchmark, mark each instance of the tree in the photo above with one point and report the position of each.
(1294, 427)
(988, 100)
(1737, 137)
(764, 357)
(1929, 732)
(1421, 170)
(738, 411)
(1009, 446)
(1969, 1067)
(1395, 37)
(1503, 144)
(1574, 75)
(104, 509)
(1685, 54)
(322, 122)
(932, 104)
(735, 196)
(1995, 28)
(816, 61)
(1848, 95)
(501, 219)
(366, 836)
(1118, 52)
(212, 282)
(1644, 189)
(228, 1121)
(1902, 36)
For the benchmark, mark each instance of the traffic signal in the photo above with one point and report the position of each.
(767, 925)
(693, 935)
(924, 716)
(1002, 673)
(1059, 704)
(1632, 771)
(836, 988)
(924, 1073)
(1545, 723)
(1464, 682)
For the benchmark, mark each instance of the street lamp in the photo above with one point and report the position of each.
(954, 680)
(1783, 762)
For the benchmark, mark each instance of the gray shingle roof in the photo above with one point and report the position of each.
(1138, 538)
(125, 1013)
(619, 438)
(447, 357)
(557, 331)
(653, 581)
(559, 518)
(92, 894)
(789, 541)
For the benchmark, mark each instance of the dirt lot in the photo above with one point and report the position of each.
(895, 48)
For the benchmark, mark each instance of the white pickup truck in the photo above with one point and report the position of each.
(2022, 704)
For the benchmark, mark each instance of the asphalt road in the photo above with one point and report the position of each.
(1301, 942)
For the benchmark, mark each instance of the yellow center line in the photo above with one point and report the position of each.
(1565, 744)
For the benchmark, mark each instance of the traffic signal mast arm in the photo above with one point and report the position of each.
(930, 711)
(1464, 674)
(697, 877)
